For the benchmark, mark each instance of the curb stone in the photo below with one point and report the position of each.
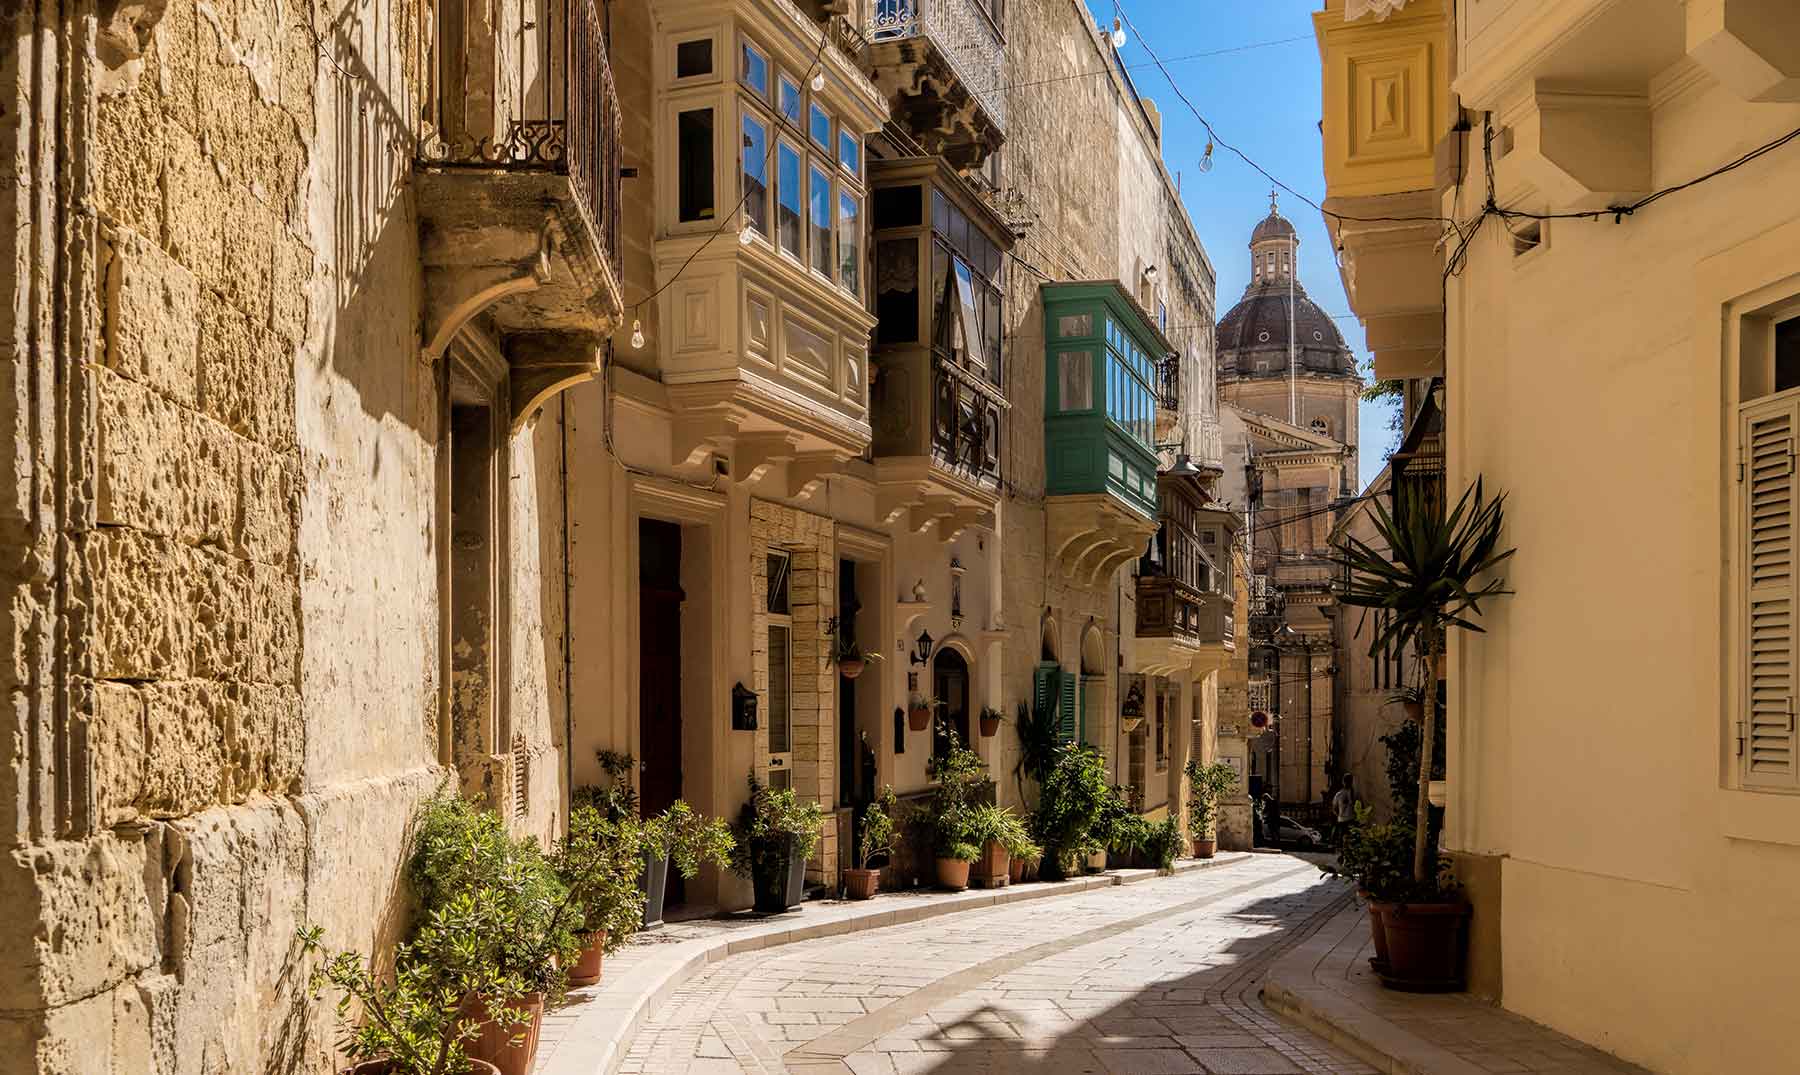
(599, 1021)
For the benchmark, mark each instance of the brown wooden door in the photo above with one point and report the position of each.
(659, 666)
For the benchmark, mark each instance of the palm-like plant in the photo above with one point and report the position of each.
(1434, 576)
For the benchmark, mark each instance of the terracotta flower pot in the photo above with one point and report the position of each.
(1096, 862)
(990, 727)
(1132, 724)
(918, 719)
(1015, 871)
(1205, 849)
(1377, 933)
(993, 869)
(952, 874)
(586, 970)
(389, 1067)
(1426, 943)
(861, 884)
(852, 667)
(510, 1049)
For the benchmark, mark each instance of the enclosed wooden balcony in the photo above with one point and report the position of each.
(518, 191)
(1185, 592)
(939, 412)
(942, 65)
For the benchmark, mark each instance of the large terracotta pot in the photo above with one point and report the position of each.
(861, 884)
(1377, 933)
(918, 719)
(1015, 871)
(512, 1048)
(952, 874)
(1205, 849)
(389, 1067)
(993, 869)
(586, 970)
(1426, 943)
(851, 668)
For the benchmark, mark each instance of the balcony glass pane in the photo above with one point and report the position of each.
(968, 317)
(1075, 325)
(819, 208)
(896, 207)
(990, 332)
(849, 151)
(850, 243)
(756, 174)
(897, 290)
(789, 100)
(694, 153)
(819, 124)
(1075, 380)
(753, 70)
(694, 58)
(788, 198)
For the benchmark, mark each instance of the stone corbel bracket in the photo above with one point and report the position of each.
(1580, 149)
(1751, 46)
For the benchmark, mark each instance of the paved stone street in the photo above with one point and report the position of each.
(1156, 978)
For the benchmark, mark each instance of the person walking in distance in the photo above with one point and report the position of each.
(1343, 810)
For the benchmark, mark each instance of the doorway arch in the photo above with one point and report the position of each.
(950, 685)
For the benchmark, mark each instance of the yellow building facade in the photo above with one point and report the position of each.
(1621, 766)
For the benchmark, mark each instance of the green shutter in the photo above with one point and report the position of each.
(1041, 689)
(1068, 726)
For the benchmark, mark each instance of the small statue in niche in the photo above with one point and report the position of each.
(918, 591)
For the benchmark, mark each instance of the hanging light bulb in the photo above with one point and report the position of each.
(818, 80)
(637, 335)
(1206, 159)
(1118, 34)
(748, 235)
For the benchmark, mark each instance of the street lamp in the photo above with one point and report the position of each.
(922, 648)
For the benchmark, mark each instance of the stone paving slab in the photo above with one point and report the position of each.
(588, 1033)
(1327, 986)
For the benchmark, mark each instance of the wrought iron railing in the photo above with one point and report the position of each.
(1168, 382)
(528, 87)
(965, 32)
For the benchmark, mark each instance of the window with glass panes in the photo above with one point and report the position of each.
(967, 285)
(800, 170)
(1099, 404)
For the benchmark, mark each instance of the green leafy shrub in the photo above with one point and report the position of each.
(1378, 860)
(617, 798)
(1071, 799)
(768, 823)
(687, 839)
(1162, 842)
(998, 824)
(1040, 742)
(599, 862)
(949, 815)
(1207, 785)
(878, 828)
(461, 849)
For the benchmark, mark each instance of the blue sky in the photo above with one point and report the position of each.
(1265, 101)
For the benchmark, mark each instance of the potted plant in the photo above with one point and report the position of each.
(862, 881)
(1131, 714)
(1162, 842)
(1207, 784)
(1377, 861)
(1434, 575)
(599, 861)
(1002, 837)
(1119, 831)
(462, 852)
(850, 658)
(919, 709)
(679, 835)
(1070, 800)
(949, 816)
(991, 719)
(775, 833)
(414, 1021)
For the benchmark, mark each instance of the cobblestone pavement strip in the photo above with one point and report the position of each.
(1158, 978)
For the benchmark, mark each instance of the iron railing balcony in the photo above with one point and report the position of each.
(942, 64)
(518, 182)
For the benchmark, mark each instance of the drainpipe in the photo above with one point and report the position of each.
(568, 608)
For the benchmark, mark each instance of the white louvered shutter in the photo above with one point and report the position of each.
(1766, 732)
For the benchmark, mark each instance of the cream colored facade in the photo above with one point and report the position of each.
(1629, 861)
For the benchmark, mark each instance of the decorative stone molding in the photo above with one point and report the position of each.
(1751, 46)
(1580, 148)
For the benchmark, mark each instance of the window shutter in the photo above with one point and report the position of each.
(1042, 688)
(1766, 728)
(1067, 726)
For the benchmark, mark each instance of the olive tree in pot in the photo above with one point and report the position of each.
(949, 816)
(1207, 785)
(599, 862)
(775, 832)
(877, 830)
(462, 852)
(686, 839)
(1433, 576)
(1072, 797)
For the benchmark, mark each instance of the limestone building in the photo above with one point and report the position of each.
(291, 291)
(1621, 798)
(1290, 389)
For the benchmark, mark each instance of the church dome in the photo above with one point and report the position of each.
(1273, 226)
(1253, 336)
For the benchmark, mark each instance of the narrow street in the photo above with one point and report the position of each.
(1156, 978)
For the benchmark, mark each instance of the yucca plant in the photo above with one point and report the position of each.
(1434, 575)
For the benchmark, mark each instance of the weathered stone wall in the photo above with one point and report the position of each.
(225, 648)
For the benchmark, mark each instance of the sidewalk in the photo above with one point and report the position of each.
(1326, 986)
(588, 1034)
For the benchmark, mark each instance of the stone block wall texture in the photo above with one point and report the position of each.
(221, 526)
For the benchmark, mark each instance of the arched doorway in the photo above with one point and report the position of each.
(950, 685)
